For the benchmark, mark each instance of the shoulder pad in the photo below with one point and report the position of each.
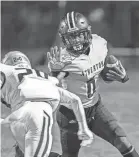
(100, 44)
(98, 38)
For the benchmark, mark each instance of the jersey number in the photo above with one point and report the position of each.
(23, 72)
(91, 87)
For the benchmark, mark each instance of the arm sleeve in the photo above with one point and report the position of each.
(54, 80)
(76, 104)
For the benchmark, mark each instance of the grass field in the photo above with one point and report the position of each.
(122, 100)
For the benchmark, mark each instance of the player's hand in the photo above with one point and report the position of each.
(56, 61)
(118, 73)
(86, 136)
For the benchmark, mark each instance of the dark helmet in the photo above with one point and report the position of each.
(75, 32)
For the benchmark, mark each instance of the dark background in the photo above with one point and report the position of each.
(33, 24)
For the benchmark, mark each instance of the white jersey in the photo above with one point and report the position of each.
(16, 81)
(30, 121)
(33, 100)
(84, 71)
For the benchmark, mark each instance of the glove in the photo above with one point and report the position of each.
(117, 73)
(57, 61)
(86, 136)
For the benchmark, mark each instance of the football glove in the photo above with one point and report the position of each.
(86, 136)
(117, 73)
(56, 61)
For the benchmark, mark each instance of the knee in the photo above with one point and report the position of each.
(122, 143)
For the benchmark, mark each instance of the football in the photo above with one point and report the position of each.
(110, 62)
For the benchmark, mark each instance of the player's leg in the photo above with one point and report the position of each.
(56, 144)
(70, 144)
(68, 130)
(19, 153)
(106, 126)
(33, 129)
(38, 139)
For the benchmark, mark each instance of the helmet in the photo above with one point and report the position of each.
(16, 58)
(75, 33)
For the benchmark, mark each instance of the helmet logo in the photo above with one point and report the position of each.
(17, 59)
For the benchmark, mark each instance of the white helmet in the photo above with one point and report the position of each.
(16, 58)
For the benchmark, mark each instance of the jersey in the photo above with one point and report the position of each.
(15, 81)
(84, 71)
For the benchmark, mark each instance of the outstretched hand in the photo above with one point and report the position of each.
(55, 59)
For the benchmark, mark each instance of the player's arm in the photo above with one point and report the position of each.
(59, 75)
(56, 64)
(74, 101)
(116, 71)
(54, 80)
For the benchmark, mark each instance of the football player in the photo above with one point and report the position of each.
(55, 144)
(34, 96)
(79, 66)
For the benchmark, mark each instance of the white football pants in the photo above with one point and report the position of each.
(31, 128)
